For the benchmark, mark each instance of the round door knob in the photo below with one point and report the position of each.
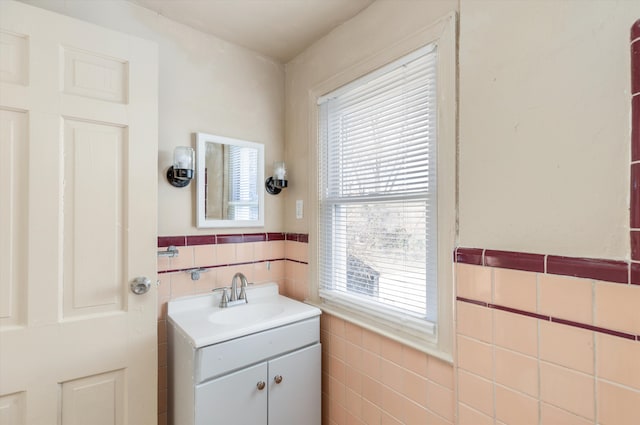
(278, 379)
(140, 285)
(261, 385)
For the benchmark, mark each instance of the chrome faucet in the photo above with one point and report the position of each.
(235, 296)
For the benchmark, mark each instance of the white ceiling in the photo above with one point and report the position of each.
(277, 28)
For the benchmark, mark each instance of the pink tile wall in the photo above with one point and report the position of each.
(540, 348)
(369, 379)
(531, 347)
(296, 282)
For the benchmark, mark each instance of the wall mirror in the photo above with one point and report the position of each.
(230, 176)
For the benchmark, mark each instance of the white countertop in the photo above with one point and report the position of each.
(202, 322)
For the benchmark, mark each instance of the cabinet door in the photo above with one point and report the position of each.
(294, 388)
(234, 399)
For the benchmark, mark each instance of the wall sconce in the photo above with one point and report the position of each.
(181, 173)
(274, 184)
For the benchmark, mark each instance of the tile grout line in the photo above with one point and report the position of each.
(539, 371)
(621, 385)
(595, 348)
(493, 345)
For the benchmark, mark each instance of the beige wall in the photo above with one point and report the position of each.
(544, 126)
(206, 84)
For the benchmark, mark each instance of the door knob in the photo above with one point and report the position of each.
(140, 285)
(278, 379)
(261, 385)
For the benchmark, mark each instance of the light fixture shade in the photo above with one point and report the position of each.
(183, 158)
(279, 170)
(181, 173)
(278, 181)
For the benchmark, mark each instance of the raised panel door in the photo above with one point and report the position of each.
(78, 142)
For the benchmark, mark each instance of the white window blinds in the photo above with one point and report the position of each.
(242, 180)
(378, 230)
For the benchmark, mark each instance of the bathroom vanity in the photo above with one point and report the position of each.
(257, 363)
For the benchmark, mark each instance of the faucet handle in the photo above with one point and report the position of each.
(243, 294)
(224, 300)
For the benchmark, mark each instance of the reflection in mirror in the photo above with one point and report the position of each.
(230, 173)
(230, 186)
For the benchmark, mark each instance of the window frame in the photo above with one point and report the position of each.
(443, 34)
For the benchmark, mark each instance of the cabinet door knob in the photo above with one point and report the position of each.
(261, 385)
(278, 379)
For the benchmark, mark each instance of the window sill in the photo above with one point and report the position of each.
(374, 325)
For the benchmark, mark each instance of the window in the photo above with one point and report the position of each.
(383, 257)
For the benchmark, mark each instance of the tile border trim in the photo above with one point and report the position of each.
(623, 272)
(635, 31)
(552, 319)
(217, 239)
(514, 260)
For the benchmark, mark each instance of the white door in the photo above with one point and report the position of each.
(78, 133)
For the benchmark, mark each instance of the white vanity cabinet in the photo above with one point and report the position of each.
(282, 391)
(270, 376)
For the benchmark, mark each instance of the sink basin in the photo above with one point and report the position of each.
(245, 313)
(202, 321)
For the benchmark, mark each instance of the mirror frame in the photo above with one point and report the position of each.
(201, 220)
